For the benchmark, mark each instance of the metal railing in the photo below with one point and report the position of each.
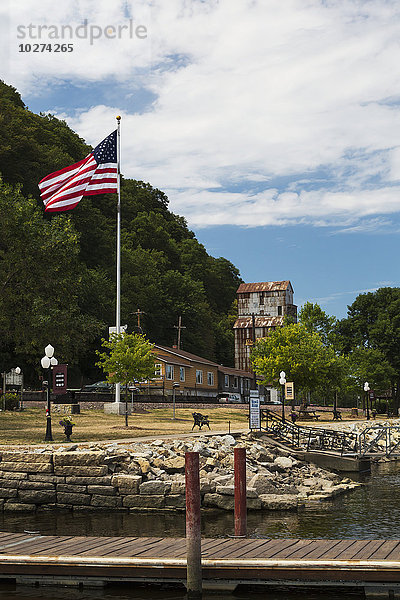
(376, 440)
(310, 438)
(372, 441)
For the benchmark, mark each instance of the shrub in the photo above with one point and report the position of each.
(11, 401)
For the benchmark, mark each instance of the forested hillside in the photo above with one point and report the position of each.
(57, 273)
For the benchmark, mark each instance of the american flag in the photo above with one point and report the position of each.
(95, 174)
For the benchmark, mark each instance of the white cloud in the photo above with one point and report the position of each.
(290, 104)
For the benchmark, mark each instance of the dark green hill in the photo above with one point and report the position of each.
(58, 272)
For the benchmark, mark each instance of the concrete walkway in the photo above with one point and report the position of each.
(133, 440)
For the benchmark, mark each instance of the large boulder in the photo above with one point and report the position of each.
(283, 462)
(278, 502)
(174, 465)
(262, 484)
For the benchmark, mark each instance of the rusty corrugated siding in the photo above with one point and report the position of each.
(265, 286)
(246, 322)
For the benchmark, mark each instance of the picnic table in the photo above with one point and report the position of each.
(308, 414)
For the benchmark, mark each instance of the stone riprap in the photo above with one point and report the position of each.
(150, 475)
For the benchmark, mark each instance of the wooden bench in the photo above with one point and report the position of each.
(200, 420)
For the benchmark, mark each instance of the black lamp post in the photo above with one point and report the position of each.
(19, 372)
(174, 386)
(282, 381)
(47, 362)
(366, 390)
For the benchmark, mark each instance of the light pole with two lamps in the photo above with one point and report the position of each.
(282, 381)
(366, 390)
(47, 362)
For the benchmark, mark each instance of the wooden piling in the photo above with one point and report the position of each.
(240, 492)
(193, 525)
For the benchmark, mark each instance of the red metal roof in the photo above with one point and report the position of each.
(182, 357)
(237, 372)
(186, 355)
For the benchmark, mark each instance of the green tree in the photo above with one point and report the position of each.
(315, 319)
(58, 271)
(369, 364)
(373, 322)
(300, 353)
(40, 284)
(129, 359)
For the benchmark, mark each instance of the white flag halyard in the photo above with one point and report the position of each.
(95, 174)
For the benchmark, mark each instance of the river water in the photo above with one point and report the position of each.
(372, 511)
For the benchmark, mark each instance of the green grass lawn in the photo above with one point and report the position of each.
(29, 426)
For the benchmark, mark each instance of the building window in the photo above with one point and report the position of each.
(199, 376)
(279, 311)
(226, 381)
(261, 298)
(210, 378)
(235, 382)
(158, 370)
(246, 384)
(170, 372)
(182, 374)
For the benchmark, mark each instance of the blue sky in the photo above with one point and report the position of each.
(272, 126)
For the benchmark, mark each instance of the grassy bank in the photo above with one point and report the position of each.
(29, 426)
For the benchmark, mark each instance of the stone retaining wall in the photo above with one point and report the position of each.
(151, 476)
(67, 480)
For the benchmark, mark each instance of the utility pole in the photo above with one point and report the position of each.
(139, 313)
(179, 327)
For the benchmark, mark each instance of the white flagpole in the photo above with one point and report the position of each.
(118, 302)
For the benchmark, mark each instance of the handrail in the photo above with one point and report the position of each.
(310, 438)
(374, 440)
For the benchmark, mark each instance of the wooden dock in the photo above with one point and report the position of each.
(226, 563)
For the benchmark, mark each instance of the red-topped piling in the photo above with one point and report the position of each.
(193, 525)
(240, 492)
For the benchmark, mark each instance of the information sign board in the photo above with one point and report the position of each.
(254, 410)
(113, 330)
(12, 378)
(60, 379)
(289, 390)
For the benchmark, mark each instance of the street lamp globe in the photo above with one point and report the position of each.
(53, 361)
(366, 386)
(49, 350)
(18, 370)
(45, 362)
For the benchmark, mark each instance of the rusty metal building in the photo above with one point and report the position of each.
(261, 308)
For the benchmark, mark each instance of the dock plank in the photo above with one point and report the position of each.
(245, 559)
(271, 549)
(317, 549)
(352, 550)
(394, 553)
(333, 553)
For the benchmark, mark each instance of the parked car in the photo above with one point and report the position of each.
(229, 398)
(99, 386)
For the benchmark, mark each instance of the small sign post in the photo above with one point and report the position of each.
(254, 410)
